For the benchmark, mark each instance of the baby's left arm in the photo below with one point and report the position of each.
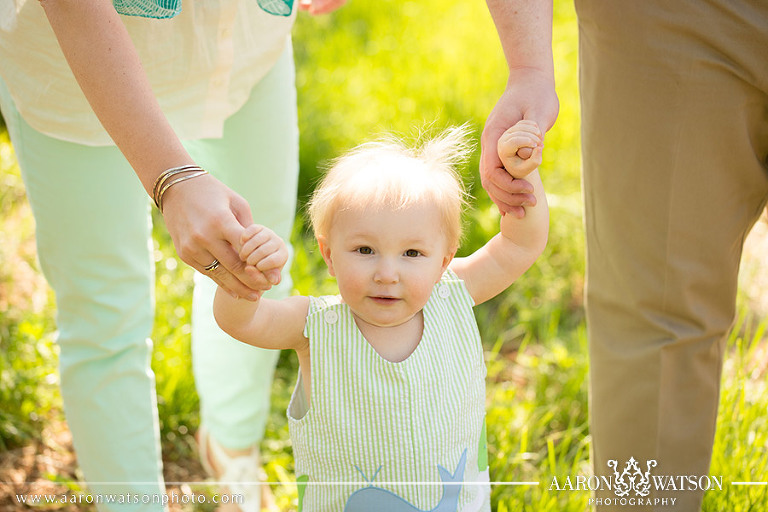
(492, 268)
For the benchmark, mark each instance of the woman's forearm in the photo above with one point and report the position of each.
(106, 64)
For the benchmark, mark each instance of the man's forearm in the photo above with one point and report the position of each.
(525, 31)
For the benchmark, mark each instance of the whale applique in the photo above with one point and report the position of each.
(376, 499)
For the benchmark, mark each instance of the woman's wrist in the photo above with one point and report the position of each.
(171, 177)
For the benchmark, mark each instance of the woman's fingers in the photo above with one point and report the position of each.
(204, 218)
(231, 272)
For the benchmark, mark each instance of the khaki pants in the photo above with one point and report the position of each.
(675, 143)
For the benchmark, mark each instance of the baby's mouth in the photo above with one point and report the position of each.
(384, 299)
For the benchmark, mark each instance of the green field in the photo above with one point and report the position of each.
(400, 67)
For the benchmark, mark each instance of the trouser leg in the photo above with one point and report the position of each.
(675, 138)
(93, 231)
(258, 158)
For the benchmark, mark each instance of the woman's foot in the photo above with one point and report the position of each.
(238, 473)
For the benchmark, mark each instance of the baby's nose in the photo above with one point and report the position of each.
(386, 272)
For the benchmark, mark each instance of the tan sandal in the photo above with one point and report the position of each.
(241, 475)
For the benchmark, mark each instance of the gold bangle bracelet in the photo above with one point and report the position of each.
(174, 182)
(166, 175)
(163, 177)
(168, 171)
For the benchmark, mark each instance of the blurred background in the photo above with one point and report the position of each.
(373, 68)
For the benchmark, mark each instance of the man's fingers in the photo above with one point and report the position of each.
(511, 191)
(511, 202)
(517, 212)
(506, 183)
(525, 153)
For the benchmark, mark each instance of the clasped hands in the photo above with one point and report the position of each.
(209, 221)
(263, 250)
(524, 134)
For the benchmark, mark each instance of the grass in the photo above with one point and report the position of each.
(398, 66)
(27, 387)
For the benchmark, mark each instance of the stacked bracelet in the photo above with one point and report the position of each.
(171, 177)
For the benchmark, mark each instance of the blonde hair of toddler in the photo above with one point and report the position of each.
(389, 174)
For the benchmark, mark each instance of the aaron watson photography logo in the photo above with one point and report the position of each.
(633, 484)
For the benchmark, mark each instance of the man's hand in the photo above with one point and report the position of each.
(530, 95)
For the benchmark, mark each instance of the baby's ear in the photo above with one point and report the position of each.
(449, 258)
(325, 252)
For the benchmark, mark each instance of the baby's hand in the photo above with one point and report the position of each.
(263, 249)
(524, 134)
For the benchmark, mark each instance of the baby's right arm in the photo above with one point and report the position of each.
(265, 323)
(529, 231)
(492, 268)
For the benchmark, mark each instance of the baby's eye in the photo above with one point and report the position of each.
(412, 253)
(365, 250)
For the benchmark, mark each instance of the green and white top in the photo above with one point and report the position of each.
(394, 437)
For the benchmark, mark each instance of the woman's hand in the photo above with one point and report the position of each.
(206, 221)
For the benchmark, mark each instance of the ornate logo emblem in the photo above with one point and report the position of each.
(632, 478)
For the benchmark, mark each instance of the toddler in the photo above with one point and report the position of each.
(389, 407)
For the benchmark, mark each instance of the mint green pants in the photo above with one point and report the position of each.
(94, 245)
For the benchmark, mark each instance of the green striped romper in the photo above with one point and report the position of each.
(393, 437)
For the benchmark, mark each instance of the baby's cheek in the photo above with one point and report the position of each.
(425, 292)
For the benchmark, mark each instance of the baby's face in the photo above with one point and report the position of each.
(386, 262)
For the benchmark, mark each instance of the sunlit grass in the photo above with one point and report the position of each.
(27, 387)
(741, 443)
